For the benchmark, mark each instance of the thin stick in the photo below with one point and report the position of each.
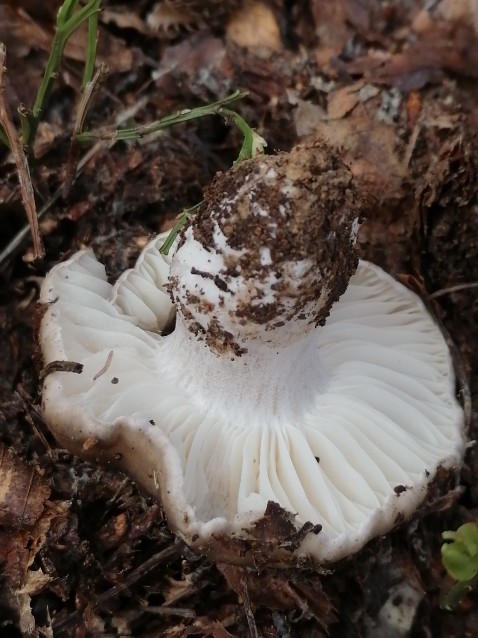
(21, 162)
(248, 607)
(85, 102)
(452, 289)
(130, 579)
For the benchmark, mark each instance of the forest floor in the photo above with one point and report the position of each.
(393, 86)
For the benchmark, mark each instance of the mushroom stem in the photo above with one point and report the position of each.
(265, 386)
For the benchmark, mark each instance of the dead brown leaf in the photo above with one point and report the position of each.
(27, 33)
(446, 47)
(30, 34)
(19, 549)
(343, 100)
(208, 627)
(112, 50)
(23, 491)
(124, 19)
(284, 590)
(254, 26)
(370, 147)
(331, 29)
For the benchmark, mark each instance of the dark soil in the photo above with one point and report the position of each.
(392, 87)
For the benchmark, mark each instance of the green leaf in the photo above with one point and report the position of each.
(460, 556)
(68, 21)
(91, 47)
(176, 229)
(450, 600)
(253, 144)
(138, 132)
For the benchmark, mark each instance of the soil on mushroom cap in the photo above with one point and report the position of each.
(277, 210)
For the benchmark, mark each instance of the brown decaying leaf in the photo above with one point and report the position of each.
(208, 627)
(112, 50)
(254, 26)
(25, 30)
(284, 590)
(368, 146)
(331, 28)
(19, 548)
(169, 16)
(123, 19)
(342, 101)
(36, 35)
(444, 48)
(23, 491)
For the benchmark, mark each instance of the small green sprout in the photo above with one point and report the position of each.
(460, 559)
(69, 19)
(181, 219)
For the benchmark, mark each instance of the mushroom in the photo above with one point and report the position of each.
(300, 390)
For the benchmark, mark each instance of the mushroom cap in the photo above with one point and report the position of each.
(383, 421)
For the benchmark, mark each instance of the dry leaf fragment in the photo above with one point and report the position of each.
(23, 491)
(253, 26)
(209, 627)
(124, 19)
(343, 100)
(283, 590)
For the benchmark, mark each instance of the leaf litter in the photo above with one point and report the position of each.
(393, 86)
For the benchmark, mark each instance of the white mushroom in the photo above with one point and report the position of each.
(275, 385)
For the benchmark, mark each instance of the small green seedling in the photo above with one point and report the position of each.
(460, 559)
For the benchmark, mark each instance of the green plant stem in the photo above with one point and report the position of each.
(67, 23)
(139, 132)
(91, 46)
(66, 11)
(253, 144)
(176, 229)
(449, 600)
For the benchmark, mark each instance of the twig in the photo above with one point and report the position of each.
(31, 409)
(138, 573)
(248, 608)
(89, 92)
(170, 611)
(21, 162)
(131, 578)
(458, 288)
(86, 98)
(17, 240)
(60, 366)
